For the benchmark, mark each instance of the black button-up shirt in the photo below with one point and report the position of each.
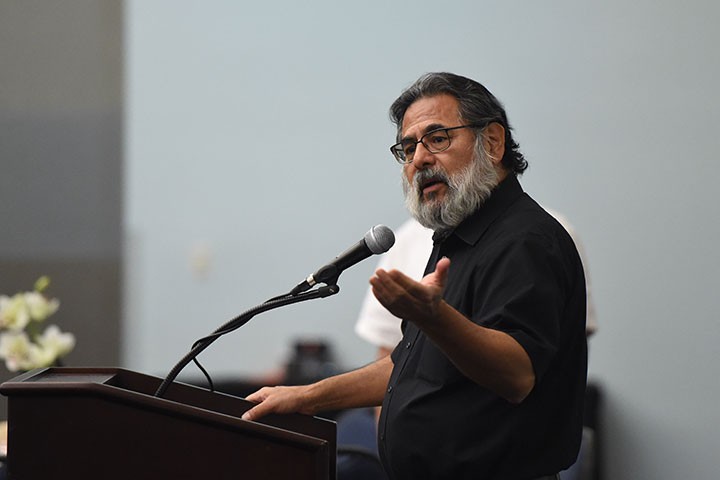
(515, 269)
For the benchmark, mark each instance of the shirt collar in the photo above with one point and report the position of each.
(473, 227)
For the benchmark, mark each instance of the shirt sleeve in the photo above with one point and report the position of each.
(529, 286)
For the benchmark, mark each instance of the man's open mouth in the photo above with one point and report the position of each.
(430, 184)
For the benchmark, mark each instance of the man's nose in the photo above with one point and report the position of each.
(422, 157)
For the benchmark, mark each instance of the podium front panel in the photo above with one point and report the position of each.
(105, 423)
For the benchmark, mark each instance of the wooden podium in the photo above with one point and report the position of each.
(106, 423)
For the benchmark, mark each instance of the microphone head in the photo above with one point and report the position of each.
(379, 239)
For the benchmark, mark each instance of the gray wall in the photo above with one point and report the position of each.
(60, 164)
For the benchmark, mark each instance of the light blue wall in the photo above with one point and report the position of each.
(257, 138)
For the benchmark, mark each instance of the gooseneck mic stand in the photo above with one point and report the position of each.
(242, 319)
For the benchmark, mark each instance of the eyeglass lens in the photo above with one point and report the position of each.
(435, 142)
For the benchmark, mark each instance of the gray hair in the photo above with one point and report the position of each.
(477, 106)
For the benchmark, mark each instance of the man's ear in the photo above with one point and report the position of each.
(494, 141)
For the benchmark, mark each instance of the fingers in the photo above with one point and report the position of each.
(256, 412)
(389, 287)
(401, 295)
(259, 395)
(276, 400)
(405, 298)
(393, 282)
(260, 409)
(439, 276)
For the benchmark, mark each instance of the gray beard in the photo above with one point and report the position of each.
(466, 191)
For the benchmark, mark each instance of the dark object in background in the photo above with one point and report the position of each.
(312, 360)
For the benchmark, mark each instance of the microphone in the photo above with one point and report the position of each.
(377, 240)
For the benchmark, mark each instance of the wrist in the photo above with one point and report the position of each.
(434, 318)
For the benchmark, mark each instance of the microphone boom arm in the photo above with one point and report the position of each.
(239, 321)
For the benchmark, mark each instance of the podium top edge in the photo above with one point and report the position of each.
(58, 375)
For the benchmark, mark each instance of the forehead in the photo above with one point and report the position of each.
(428, 113)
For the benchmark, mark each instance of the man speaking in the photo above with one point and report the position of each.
(489, 378)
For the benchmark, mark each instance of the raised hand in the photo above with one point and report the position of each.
(408, 299)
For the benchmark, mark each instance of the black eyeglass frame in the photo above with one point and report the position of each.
(399, 153)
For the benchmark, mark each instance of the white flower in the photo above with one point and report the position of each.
(22, 354)
(40, 307)
(22, 346)
(15, 348)
(55, 343)
(14, 312)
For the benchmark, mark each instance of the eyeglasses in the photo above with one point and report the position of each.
(435, 141)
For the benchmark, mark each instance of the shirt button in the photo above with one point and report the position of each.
(382, 436)
(389, 389)
(408, 345)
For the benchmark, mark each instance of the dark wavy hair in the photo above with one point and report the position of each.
(476, 106)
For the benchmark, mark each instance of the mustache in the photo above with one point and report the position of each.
(424, 177)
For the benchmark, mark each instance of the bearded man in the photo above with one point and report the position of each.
(489, 378)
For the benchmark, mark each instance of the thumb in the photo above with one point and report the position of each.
(439, 276)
